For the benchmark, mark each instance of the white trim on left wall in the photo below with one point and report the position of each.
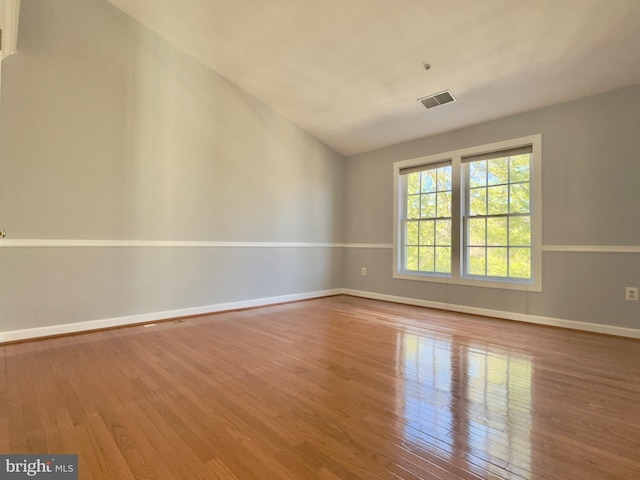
(129, 320)
(78, 243)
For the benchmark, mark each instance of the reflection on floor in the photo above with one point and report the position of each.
(456, 393)
(338, 388)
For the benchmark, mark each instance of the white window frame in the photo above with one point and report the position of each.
(458, 204)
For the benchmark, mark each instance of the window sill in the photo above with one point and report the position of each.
(470, 282)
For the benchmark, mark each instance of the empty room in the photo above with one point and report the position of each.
(333, 240)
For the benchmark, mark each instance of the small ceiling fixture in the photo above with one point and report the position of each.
(437, 99)
(427, 66)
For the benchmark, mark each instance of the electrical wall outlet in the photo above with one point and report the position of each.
(631, 293)
(363, 272)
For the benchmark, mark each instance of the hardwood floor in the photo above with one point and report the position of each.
(333, 388)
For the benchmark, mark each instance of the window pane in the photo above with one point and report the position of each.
(413, 206)
(428, 207)
(411, 258)
(444, 204)
(498, 171)
(443, 260)
(444, 178)
(520, 231)
(426, 259)
(493, 202)
(413, 183)
(520, 262)
(443, 232)
(498, 200)
(477, 263)
(497, 262)
(412, 233)
(478, 201)
(427, 235)
(429, 181)
(519, 198)
(478, 174)
(477, 231)
(519, 166)
(497, 231)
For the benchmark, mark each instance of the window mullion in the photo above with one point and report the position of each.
(509, 186)
(458, 208)
(486, 224)
(494, 230)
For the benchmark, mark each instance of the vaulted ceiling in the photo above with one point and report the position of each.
(350, 71)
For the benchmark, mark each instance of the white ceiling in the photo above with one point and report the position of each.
(350, 71)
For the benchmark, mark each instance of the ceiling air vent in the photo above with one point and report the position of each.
(437, 99)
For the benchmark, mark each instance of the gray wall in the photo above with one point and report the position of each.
(591, 196)
(109, 132)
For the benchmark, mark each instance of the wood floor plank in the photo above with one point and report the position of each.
(332, 388)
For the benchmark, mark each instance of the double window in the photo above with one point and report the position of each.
(471, 216)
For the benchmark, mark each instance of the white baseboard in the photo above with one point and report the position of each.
(68, 328)
(519, 317)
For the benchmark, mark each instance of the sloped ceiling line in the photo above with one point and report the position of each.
(350, 72)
